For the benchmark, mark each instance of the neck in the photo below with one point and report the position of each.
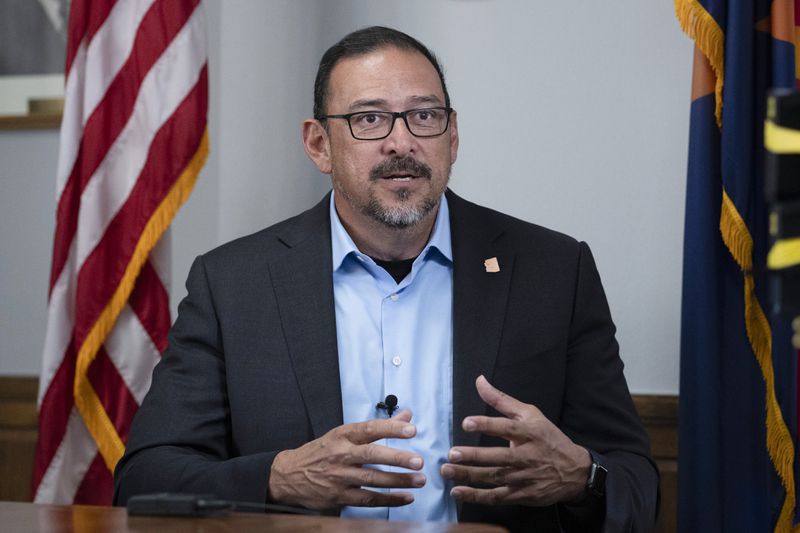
(383, 242)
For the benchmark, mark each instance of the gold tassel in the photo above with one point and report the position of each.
(86, 400)
(699, 25)
(735, 234)
(780, 446)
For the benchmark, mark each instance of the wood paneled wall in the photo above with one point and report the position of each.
(659, 415)
(18, 439)
(18, 429)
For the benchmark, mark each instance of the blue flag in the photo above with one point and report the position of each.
(737, 419)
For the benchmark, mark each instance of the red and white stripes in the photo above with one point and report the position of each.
(133, 139)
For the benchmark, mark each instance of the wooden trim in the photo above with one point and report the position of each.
(659, 414)
(30, 122)
(18, 432)
(657, 408)
(18, 402)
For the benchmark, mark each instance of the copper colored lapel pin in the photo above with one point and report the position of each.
(492, 265)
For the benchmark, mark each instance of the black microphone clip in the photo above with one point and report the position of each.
(389, 404)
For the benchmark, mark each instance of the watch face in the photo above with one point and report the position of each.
(597, 479)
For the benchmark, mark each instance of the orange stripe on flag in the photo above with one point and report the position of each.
(704, 80)
(780, 22)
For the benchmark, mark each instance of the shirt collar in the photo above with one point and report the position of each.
(342, 244)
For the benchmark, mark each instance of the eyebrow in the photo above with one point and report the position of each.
(429, 99)
(369, 103)
(380, 103)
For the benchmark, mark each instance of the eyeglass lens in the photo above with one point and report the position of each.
(377, 124)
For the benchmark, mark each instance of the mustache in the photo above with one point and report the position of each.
(404, 165)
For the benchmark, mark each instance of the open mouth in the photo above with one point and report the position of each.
(400, 177)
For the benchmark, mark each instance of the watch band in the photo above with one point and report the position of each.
(596, 485)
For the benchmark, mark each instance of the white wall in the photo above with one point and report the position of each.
(575, 118)
(27, 203)
(266, 73)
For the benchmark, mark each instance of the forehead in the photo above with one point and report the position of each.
(391, 75)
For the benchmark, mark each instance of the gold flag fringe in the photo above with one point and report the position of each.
(698, 24)
(88, 403)
(780, 446)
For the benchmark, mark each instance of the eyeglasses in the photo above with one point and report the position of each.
(375, 125)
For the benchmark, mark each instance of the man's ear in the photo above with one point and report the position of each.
(317, 145)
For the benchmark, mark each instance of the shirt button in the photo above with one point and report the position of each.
(396, 361)
(394, 297)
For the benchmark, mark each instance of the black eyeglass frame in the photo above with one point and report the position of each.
(395, 115)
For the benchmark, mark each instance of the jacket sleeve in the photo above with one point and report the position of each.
(598, 412)
(180, 439)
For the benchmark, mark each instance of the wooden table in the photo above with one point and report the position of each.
(22, 517)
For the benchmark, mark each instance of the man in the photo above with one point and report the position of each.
(294, 344)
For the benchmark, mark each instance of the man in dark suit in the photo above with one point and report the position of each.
(507, 357)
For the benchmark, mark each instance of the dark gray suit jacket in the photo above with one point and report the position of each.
(252, 365)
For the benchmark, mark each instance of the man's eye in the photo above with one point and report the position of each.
(368, 119)
(424, 116)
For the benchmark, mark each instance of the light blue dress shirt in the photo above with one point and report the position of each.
(398, 339)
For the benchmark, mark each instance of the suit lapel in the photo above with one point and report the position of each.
(303, 287)
(479, 304)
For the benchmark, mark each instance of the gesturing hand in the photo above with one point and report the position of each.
(541, 466)
(329, 471)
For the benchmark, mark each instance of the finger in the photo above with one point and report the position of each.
(505, 428)
(404, 415)
(498, 456)
(476, 476)
(507, 405)
(497, 476)
(542, 477)
(372, 477)
(372, 430)
(506, 495)
(375, 454)
(495, 496)
(370, 498)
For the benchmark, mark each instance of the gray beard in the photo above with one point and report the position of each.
(400, 217)
(407, 214)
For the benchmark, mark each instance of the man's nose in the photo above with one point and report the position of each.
(400, 140)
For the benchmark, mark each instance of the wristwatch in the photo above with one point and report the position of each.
(596, 486)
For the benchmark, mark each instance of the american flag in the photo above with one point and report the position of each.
(133, 140)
